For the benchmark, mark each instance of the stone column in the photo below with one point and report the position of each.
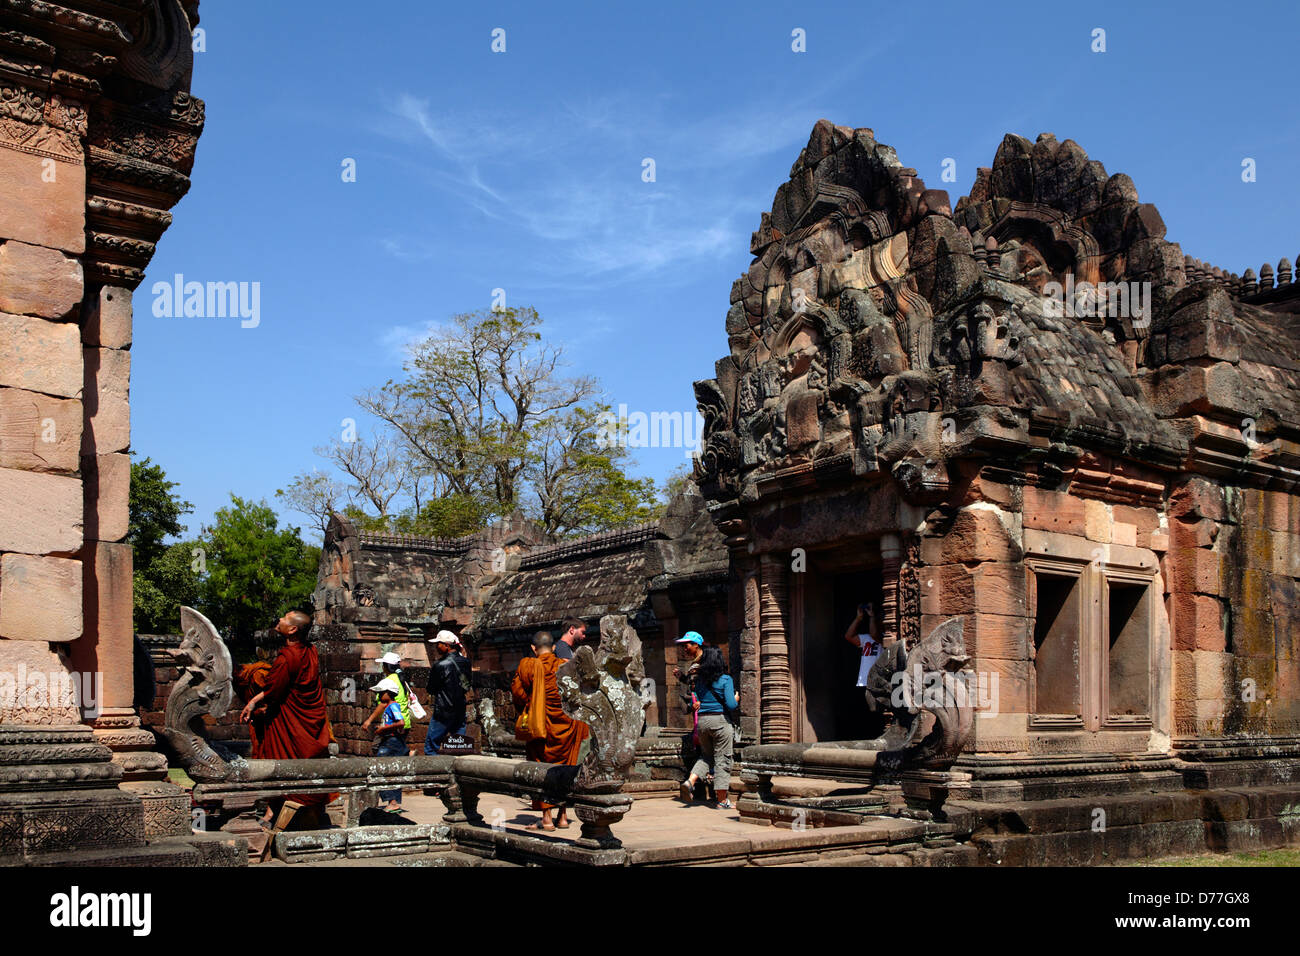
(97, 138)
(774, 651)
(106, 557)
(891, 562)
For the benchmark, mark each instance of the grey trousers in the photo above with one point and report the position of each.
(716, 739)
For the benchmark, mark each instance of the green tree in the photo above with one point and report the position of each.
(154, 512)
(160, 590)
(484, 414)
(163, 578)
(256, 570)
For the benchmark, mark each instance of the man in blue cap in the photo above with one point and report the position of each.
(691, 645)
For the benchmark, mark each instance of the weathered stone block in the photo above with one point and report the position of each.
(107, 320)
(977, 534)
(108, 612)
(107, 492)
(1195, 570)
(1213, 675)
(989, 588)
(39, 432)
(1198, 498)
(1097, 521)
(35, 280)
(42, 691)
(1197, 622)
(40, 598)
(39, 513)
(1054, 511)
(40, 355)
(36, 211)
(1198, 533)
(108, 411)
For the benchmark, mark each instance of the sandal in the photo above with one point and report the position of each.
(541, 826)
(686, 793)
(563, 826)
(726, 805)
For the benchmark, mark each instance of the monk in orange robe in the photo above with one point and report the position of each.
(564, 735)
(296, 724)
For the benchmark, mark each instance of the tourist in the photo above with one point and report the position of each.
(563, 736)
(691, 645)
(446, 692)
(392, 665)
(296, 724)
(574, 633)
(716, 707)
(390, 739)
(867, 640)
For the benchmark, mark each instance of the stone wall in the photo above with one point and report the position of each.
(97, 138)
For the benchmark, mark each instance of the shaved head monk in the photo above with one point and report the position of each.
(296, 726)
(564, 735)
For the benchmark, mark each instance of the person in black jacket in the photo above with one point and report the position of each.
(446, 693)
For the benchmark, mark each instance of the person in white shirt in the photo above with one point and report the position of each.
(867, 639)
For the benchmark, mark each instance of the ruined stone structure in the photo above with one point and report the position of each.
(1030, 412)
(497, 588)
(97, 138)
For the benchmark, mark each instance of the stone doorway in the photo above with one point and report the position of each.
(828, 705)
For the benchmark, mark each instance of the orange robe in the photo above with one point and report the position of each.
(249, 682)
(297, 726)
(564, 735)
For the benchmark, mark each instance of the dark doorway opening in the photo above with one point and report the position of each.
(833, 706)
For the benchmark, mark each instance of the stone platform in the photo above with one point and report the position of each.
(664, 832)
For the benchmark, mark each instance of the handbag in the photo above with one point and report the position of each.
(531, 724)
(417, 709)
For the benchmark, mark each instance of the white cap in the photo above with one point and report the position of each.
(387, 684)
(390, 658)
(444, 637)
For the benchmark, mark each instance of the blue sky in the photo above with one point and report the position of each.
(523, 171)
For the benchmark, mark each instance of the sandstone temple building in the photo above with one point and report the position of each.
(1057, 455)
(1030, 411)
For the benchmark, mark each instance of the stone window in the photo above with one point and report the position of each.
(1092, 635)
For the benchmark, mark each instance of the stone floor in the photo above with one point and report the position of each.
(661, 830)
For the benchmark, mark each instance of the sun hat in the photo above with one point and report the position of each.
(387, 684)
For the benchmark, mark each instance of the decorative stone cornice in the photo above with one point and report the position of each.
(118, 102)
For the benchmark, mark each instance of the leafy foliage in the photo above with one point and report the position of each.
(163, 578)
(256, 570)
(483, 424)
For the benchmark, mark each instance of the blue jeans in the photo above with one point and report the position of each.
(391, 746)
(438, 732)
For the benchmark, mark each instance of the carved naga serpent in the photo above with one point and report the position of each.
(204, 689)
(933, 679)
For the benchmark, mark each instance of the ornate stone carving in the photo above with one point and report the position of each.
(597, 688)
(927, 689)
(204, 689)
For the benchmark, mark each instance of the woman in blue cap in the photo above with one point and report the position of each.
(714, 700)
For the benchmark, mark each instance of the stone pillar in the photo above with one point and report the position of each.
(891, 562)
(97, 139)
(774, 652)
